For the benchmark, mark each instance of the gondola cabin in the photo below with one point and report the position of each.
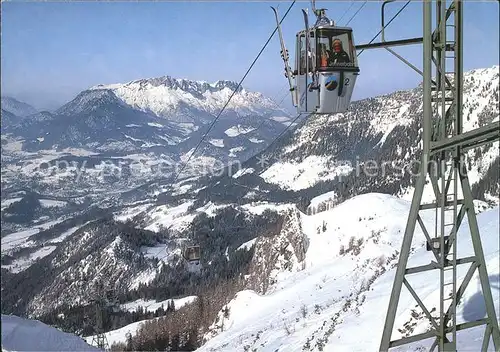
(326, 65)
(192, 254)
(332, 68)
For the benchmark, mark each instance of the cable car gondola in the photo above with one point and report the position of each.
(324, 83)
(192, 254)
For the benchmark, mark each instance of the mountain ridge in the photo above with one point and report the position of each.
(167, 97)
(311, 165)
(173, 82)
(17, 107)
(102, 119)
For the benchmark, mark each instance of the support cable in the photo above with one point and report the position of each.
(363, 5)
(232, 95)
(346, 11)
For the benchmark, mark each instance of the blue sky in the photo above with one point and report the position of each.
(52, 51)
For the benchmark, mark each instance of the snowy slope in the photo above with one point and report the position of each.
(61, 266)
(120, 335)
(8, 118)
(324, 301)
(152, 306)
(20, 334)
(377, 139)
(300, 169)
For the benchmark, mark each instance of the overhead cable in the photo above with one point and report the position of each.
(231, 96)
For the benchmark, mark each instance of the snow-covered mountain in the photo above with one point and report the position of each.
(340, 285)
(324, 155)
(320, 278)
(142, 130)
(375, 145)
(269, 225)
(247, 123)
(162, 119)
(8, 118)
(97, 121)
(14, 112)
(188, 101)
(77, 257)
(17, 107)
(155, 113)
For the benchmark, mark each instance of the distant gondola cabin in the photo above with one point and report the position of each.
(192, 254)
(332, 67)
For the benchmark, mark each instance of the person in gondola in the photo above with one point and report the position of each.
(338, 54)
(323, 56)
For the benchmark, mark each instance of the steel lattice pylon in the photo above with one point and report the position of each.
(444, 145)
(99, 339)
(102, 300)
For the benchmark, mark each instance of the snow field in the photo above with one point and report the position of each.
(336, 296)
